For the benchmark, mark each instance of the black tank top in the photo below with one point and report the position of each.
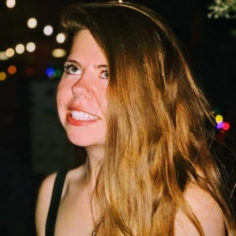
(54, 204)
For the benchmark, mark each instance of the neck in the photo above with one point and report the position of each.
(95, 156)
(93, 164)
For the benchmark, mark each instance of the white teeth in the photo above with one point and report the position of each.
(79, 115)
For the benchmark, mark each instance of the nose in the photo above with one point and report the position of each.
(82, 87)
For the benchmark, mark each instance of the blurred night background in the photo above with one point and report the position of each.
(32, 142)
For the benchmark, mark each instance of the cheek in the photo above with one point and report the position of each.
(104, 105)
(101, 97)
(102, 102)
(59, 97)
(62, 93)
(62, 98)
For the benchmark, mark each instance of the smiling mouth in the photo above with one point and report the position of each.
(80, 115)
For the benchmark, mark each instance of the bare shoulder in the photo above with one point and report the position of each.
(205, 209)
(43, 201)
(45, 193)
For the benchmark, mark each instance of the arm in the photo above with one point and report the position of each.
(43, 201)
(207, 212)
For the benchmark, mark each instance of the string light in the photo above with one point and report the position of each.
(53, 73)
(217, 110)
(32, 23)
(50, 72)
(10, 3)
(11, 69)
(29, 71)
(219, 118)
(58, 73)
(3, 56)
(48, 30)
(3, 76)
(10, 52)
(226, 126)
(60, 38)
(58, 52)
(20, 48)
(30, 47)
(220, 123)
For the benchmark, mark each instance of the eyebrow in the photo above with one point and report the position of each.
(79, 64)
(101, 66)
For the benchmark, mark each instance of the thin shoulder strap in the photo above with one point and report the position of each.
(55, 201)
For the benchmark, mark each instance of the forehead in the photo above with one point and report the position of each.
(85, 48)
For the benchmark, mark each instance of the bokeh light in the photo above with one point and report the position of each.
(217, 110)
(32, 23)
(226, 126)
(3, 76)
(3, 56)
(50, 72)
(219, 125)
(58, 52)
(48, 30)
(60, 38)
(20, 48)
(58, 73)
(219, 118)
(10, 52)
(29, 71)
(11, 69)
(10, 3)
(30, 47)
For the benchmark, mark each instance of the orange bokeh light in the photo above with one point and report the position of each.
(12, 70)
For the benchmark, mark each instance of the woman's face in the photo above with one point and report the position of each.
(81, 95)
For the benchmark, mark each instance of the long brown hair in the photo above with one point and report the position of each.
(157, 142)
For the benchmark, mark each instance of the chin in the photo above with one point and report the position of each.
(85, 140)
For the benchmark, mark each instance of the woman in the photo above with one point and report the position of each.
(128, 97)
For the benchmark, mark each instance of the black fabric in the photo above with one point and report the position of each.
(54, 204)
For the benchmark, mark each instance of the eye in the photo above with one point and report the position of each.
(73, 69)
(104, 74)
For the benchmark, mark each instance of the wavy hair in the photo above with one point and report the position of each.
(157, 141)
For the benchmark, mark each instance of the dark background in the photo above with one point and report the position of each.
(32, 142)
